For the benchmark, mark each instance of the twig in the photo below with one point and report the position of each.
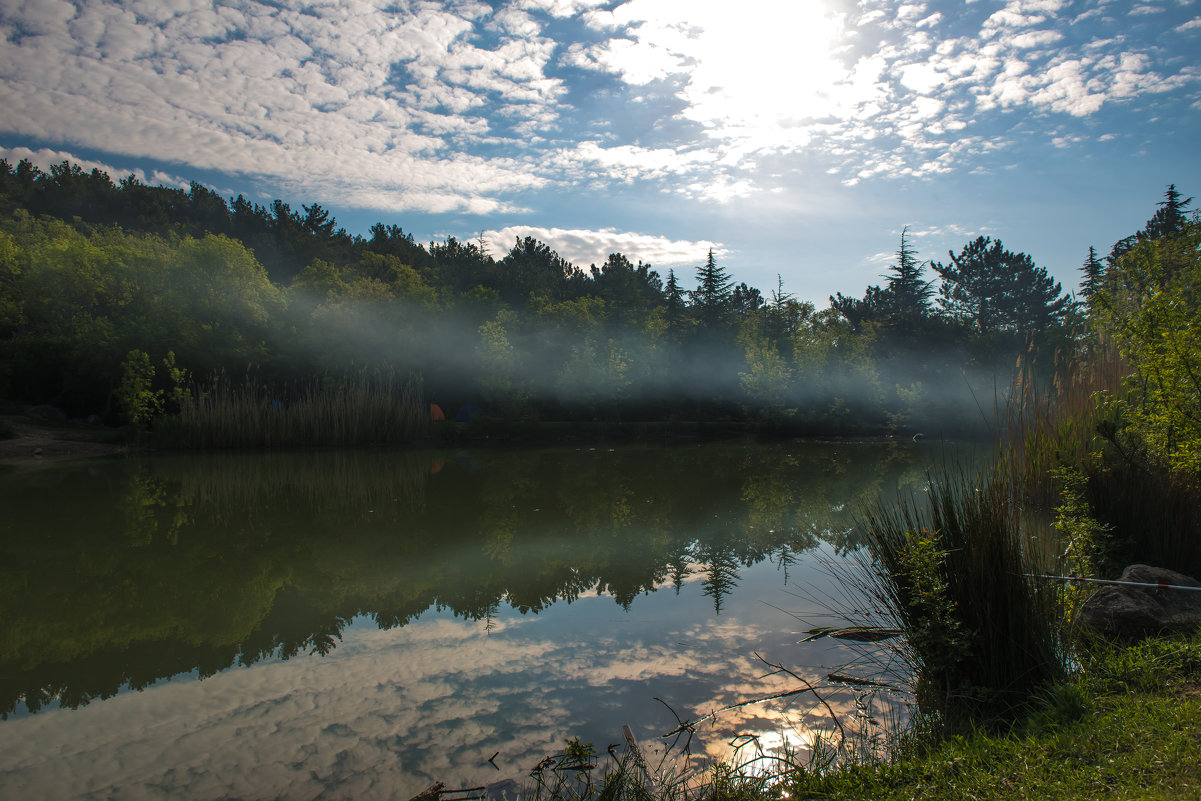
(809, 687)
(854, 680)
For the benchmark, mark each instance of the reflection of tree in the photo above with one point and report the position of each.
(151, 568)
(680, 571)
(721, 571)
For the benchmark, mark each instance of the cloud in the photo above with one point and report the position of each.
(473, 108)
(361, 105)
(583, 247)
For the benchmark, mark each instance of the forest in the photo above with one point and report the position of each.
(131, 303)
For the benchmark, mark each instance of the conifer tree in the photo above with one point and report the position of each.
(673, 296)
(1170, 218)
(910, 295)
(1093, 271)
(714, 292)
(997, 291)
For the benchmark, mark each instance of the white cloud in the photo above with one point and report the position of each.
(470, 107)
(305, 96)
(1035, 39)
(920, 78)
(586, 247)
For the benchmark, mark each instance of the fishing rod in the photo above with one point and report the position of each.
(1115, 582)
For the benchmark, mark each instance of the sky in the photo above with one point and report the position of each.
(794, 139)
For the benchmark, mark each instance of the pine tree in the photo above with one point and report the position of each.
(1093, 271)
(673, 297)
(910, 295)
(714, 293)
(997, 291)
(1170, 218)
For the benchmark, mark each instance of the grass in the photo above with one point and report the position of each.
(358, 410)
(1127, 726)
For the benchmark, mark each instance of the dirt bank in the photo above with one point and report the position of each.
(36, 443)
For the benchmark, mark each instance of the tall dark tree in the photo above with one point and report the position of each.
(674, 301)
(532, 268)
(1171, 216)
(459, 265)
(629, 292)
(908, 293)
(997, 291)
(1093, 271)
(713, 294)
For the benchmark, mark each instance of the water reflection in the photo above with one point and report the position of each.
(118, 575)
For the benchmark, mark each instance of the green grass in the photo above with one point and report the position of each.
(1127, 727)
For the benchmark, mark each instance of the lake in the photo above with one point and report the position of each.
(362, 624)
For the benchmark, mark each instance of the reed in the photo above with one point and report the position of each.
(952, 570)
(1076, 428)
(361, 409)
(1051, 418)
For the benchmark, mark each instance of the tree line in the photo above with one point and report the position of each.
(98, 279)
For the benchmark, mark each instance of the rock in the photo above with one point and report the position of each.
(1131, 613)
(51, 414)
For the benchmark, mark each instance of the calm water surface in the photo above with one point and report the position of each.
(362, 624)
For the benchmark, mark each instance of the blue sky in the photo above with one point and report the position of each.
(794, 138)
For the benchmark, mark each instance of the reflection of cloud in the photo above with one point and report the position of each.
(388, 712)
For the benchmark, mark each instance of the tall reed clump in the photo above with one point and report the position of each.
(363, 409)
(954, 570)
(1051, 422)
(1071, 446)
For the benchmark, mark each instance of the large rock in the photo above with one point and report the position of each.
(1130, 613)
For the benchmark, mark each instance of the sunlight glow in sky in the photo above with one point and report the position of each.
(794, 138)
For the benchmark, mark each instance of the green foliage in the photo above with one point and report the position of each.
(503, 384)
(1151, 305)
(1086, 540)
(997, 291)
(135, 394)
(229, 284)
(768, 376)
